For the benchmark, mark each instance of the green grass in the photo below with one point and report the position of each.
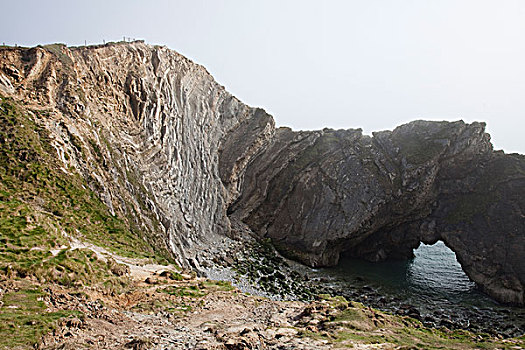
(199, 290)
(40, 204)
(58, 50)
(24, 319)
(174, 276)
(224, 286)
(185, 291)
(355, 322)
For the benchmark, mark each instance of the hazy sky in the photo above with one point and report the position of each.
(312, 64)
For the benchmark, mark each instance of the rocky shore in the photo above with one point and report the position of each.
(175, 155)
(160, 308)
(258, 268)
(122, 162)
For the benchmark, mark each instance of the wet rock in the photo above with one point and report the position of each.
(187, 162)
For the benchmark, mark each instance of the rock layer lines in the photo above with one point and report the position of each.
(170, 150)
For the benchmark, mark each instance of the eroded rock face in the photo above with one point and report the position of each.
(320, 194)
(174, 153)
(143, 124)
(378, 198)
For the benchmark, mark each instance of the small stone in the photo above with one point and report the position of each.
(151, 280)
(74, 323)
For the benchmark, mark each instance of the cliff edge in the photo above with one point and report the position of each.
(174, 155)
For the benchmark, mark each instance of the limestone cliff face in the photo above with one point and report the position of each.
(318, 195)
(170, 150)
(144, 125)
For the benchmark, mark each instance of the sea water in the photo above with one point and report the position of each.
(433, 282)
(433, 273)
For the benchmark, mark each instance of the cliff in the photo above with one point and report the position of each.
(187, 165)
(142, 125)
(318, 195)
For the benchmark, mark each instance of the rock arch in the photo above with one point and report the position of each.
(321, 193)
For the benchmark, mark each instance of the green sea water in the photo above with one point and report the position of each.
(433, 282)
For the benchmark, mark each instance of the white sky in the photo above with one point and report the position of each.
(344, 64)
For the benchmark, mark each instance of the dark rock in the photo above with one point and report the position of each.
(447, 323)
(138, 344)
(74, 323)
(151, 280)
(429, 319)
(165, 274)
(378, 198)
(193, 162)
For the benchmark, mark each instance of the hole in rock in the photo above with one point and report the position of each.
(433, 273)
(431, 285)
(435, 269)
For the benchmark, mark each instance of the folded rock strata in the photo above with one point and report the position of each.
(168, 148)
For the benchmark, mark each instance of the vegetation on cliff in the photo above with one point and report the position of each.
(110, 154)
(42, 204)
(43, 207)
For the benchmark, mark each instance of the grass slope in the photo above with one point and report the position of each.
(40, 206)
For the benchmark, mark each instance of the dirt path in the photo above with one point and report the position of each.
(150, 318)
(163, 312)
(139, 269)
(161, 309)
